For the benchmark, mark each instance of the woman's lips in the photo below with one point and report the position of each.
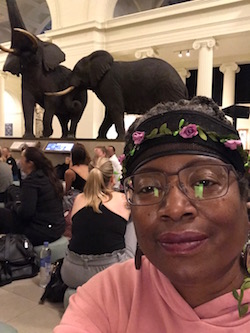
(183, 242)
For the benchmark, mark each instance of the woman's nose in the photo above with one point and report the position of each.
(176, 205)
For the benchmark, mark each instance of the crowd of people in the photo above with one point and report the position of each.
(97, 224)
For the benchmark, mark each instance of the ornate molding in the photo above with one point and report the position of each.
(207, 42)
(230, 66)
(145, 53)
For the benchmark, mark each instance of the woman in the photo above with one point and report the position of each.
(38, 213)
(186, 184)
(75, 177)
(100, 217)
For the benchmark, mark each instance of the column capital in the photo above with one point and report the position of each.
(145, 53)
(207, 42)
(229, 66)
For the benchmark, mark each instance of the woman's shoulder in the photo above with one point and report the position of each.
(119, 195)
(79, 203)
(70, 171)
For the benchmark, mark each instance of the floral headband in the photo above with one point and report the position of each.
(151, 137)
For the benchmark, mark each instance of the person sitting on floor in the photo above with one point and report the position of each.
(11, 162)
(100, 218)
(38, 213)
(76, 175)
(6, 178)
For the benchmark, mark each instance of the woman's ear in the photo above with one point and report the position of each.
(112, 181)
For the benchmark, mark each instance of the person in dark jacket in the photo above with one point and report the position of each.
(11, 162)
(38, 213)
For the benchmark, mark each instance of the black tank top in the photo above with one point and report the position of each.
(97, 233)
(78, 183)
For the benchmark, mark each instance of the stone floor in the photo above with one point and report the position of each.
(20, 308)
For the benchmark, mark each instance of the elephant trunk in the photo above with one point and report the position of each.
(60, 93)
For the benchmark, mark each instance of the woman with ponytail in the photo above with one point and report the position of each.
(101, 232)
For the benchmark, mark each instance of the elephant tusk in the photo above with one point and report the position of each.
(5, 49)
(29, 35)
(60, 93)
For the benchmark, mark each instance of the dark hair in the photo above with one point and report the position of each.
(41, 162)
(113, 148)
(79, 155)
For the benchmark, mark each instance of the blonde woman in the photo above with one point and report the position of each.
(101, 232)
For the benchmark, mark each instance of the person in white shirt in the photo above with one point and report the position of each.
(116, 166)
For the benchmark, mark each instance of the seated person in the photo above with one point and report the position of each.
(185, 178)
(6, 177)
(11, 162)
(76, 175)
(100, 151)
(100, 218)
(116, 166)
(62, 168)
(39, 213)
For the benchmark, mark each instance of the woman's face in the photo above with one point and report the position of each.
(192, 240)
(26, 166)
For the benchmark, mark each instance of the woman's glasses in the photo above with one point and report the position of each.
(201, 182)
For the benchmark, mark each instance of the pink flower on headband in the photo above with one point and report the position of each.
(138, 137)
(232, 144)
(121, 158)
(188, 131)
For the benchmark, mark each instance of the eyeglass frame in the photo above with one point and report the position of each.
(229, 168)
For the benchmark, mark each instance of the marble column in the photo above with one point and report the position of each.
(2, 117)
(184, 74)
(205, 66)
(229, 70)
(145, 53)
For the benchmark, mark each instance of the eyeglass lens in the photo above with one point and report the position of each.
(196, 182)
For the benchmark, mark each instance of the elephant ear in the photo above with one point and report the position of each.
(12, 65)
(52, 56)
(100, 63)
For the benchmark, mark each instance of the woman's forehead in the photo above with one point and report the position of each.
(173, 163)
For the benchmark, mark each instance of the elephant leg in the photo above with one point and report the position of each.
(28, 102)
(106, 124)
(50, 107)
(75, 115)
(63, 120)
(119, 126)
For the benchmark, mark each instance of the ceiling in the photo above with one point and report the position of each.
(35, 14)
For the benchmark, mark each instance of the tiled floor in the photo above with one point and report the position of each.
(20, 308)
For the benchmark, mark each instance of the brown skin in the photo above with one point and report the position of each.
(212, 269)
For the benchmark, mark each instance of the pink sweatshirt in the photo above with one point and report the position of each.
(123, 300)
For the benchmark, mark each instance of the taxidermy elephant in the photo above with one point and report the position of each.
(130, 87)
(38, 63)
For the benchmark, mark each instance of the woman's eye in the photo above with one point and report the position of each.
(146, 189)
(205, 182)
(149, 190)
